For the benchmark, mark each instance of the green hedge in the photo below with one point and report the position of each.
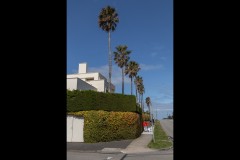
(91, 100)
(103, 126)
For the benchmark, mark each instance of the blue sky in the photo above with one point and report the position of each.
(146, 27)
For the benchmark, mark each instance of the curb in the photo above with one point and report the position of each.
(83, 151)
(120, 156)
(164, 149)
(123, 156)
(110, 150)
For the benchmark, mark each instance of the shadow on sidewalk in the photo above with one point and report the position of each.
(97, 146)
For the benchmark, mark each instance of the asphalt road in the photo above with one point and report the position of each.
(93, 156)
(167, 125)
(157, 155)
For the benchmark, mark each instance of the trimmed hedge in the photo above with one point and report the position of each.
(92, 100)
(103, 126)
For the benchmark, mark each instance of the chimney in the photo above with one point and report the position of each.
(82, 68)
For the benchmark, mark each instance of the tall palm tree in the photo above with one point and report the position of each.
(138, 80)
(107, 20)
(131, 70)
(141, 90)
(148, 102)
(121, 58)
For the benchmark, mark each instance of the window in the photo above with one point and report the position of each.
(90, 79)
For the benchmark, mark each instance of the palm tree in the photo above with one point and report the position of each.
(107, 20)
(148, 102)
(132, 69)
(138, 80)
(141, 90)
(121, 58)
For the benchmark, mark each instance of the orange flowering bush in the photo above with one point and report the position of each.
(104, 126)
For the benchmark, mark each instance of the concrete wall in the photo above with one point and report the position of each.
(71, 83)
(75, 129)
(82, 68)
(81, 85)
(96, 79)
(106, 83)
(102, 77)
(84, 76)
(78, 84)
(100, 85)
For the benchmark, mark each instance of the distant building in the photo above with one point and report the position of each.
(84, 80)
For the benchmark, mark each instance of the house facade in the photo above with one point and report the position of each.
(84, 80)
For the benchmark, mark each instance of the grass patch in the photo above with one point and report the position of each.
(161, 139)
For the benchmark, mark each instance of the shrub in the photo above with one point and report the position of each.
(91, 100)
(103, 126)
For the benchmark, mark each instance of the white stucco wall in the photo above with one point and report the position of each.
(81, 85)
(78, 84)
(98, 84)
(72, 83)
(83, 76)
(82, 68)
(75, 127)
(102, 77)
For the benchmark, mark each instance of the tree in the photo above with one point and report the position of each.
(132, 69)
(107, 20)
(138, 80)
(141, 90)
(121, 58)
(148, 102)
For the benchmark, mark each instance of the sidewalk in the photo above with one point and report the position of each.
(139, 145)
(124, 146)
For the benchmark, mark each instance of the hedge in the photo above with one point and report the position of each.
(92, 100)
(103, 126)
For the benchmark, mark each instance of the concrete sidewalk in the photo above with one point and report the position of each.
(138, 145)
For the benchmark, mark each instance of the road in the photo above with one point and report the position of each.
(71, 155)
(167, 125)
(157, 155)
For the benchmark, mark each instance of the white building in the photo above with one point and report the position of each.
(84, 80)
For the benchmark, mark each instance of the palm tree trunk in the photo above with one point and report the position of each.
(136, 94)
(131, 85)
(139, 98)
(110, 61)
(142, 103)
(122, 80)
